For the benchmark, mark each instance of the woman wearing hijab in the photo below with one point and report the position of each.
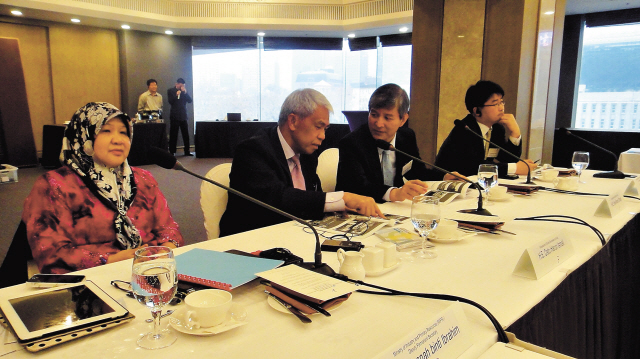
(96, 209)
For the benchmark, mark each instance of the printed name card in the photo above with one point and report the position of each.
(446, 336)
(610, 206)
(540, 259)
(632, 188)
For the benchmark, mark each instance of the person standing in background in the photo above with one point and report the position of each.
(178, 99)
(150, 100)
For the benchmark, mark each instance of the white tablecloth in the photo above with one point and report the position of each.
(479, 268)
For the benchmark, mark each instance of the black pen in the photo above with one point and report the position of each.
(536, 161)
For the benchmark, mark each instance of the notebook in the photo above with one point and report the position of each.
(220, 270)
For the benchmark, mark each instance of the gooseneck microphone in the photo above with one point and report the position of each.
(459, 123)
(166, 160)
(607, 174)
(384, 145)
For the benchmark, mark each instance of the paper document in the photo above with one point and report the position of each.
(306, 282)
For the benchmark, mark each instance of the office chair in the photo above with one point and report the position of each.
(213, 199)
(328, 169)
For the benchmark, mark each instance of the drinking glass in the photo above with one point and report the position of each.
(154, 282)
(487, 178)
(425, 216)
(580, 162)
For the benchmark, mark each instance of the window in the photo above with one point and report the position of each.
(602, 123)
(592, 123)
(593, 107)
(633, 123)
(584, 108)
(611, 123)
(583, 123)
(601, 81)
(622, 123)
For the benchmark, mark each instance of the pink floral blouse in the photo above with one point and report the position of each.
(69, 229)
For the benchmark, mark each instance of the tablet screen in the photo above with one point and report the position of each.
(59, 307)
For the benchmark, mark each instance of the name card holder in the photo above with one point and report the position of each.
(541, 258)
(610, 206)
(446, 336)
(632, 188)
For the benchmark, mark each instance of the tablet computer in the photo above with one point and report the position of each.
(60, 309)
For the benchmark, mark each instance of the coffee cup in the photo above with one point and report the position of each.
(549, 175)
(373, 260)
(206, 308)
(498, 192)
(566, 183)
(446, 228)
(390, 253)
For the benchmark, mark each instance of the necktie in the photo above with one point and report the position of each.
(387, 168)
(296, 174)
(486, 144)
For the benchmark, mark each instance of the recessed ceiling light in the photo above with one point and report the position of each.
(404, 29)
(16, 12)
(351, 36)
(75, 20)
(549, 13)
(261, 34)
(126, 27)
(168, 32)
(460, 36)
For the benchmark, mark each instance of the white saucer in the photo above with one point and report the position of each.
(504, 198)
(383, 271)
(543, 180)
(236, 317)
(277, 306)
(460, 235)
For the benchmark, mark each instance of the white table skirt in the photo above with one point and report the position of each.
(629, 161)
(479, 268)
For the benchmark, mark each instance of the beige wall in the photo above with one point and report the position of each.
(64, 68)
(37, 74)
(84, 68)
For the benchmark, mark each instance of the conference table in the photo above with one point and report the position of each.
(479, 268)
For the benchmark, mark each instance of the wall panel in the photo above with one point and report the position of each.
(84, 68)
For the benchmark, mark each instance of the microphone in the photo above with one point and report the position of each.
(459, 123)
(606, 174)
(480, 211)
(166, 160)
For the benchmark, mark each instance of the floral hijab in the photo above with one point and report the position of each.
(77, 153)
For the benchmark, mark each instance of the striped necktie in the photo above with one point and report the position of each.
(486, 144)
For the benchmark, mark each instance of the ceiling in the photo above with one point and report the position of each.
(373, 28)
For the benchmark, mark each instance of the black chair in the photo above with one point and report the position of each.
(14, 268)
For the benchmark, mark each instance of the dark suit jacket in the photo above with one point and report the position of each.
(464, 152)
(359, 169)
(260, 170)
(178, 105)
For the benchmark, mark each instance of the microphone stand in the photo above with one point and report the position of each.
(479, 211)
(166, 160)
(529, 181)
(606, 174)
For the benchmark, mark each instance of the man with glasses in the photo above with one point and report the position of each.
(464, 152)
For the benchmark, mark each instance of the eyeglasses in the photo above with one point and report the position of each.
(501, 103)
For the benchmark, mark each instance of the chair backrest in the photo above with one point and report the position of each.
(328, 169)
(213, 199)
(14, 267)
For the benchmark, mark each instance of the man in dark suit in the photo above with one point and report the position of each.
(178, 99)
(464, 152)
(278, 167)
(367, 170)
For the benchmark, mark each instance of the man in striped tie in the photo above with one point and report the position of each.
(278, 167)
(464, 152)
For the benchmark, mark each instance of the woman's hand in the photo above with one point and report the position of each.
(123, 254)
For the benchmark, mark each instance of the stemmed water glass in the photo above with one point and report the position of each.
(580, 162)
(425, 216)
(487, 178)
(154, 282)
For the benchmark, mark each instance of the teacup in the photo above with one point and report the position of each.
(390, 253)
(373, 260)
(446, 228)
(566, 183)
(207, 308)
(549, 175)
(498, 192)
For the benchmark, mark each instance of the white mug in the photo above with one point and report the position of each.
(566, 183)
(390, 253)
(206, 308)
(446, 229)
(549, 175)
(373, 260)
